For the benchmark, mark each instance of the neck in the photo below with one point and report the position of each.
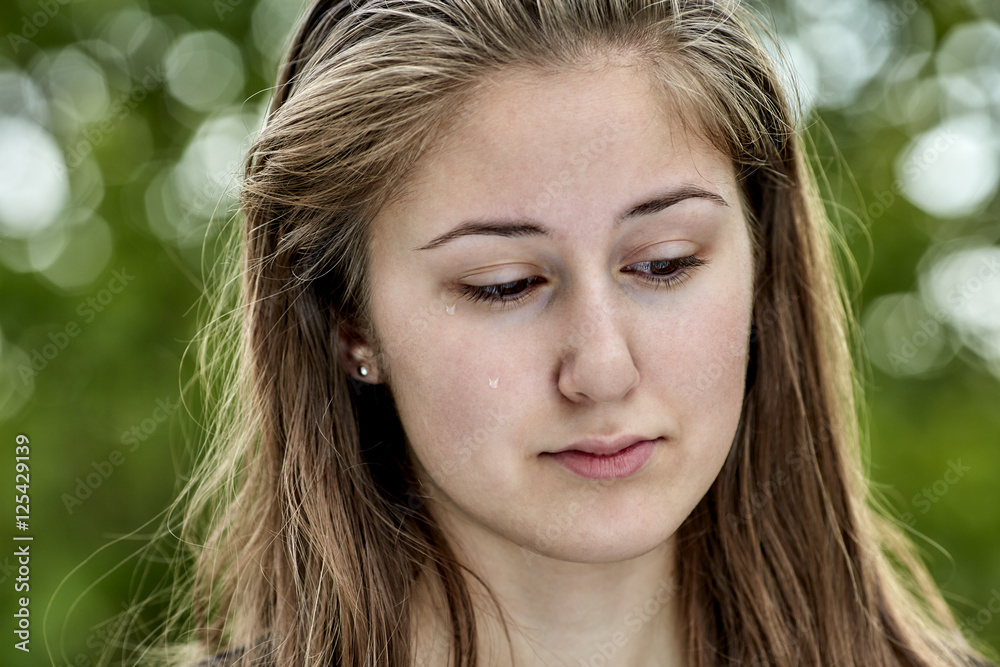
(559, 612)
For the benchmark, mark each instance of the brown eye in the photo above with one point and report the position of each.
(670, 272)
(663, 267)
(505, 292)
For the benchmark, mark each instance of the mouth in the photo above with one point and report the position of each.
(621, 462)
(605, 447)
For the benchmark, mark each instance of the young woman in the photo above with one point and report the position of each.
(545, 360)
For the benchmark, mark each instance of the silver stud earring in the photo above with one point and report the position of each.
(362, 371)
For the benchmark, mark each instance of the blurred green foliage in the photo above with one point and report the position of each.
(122, 124)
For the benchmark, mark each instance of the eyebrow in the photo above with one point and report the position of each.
(522, 228)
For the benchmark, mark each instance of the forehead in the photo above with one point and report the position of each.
(549, 145)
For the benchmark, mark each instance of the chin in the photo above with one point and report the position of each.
(599, 546)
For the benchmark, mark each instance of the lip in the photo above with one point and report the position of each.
(624, 462)
(604, 447)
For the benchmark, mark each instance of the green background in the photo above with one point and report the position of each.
(148, 107)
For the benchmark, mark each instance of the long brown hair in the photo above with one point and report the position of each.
(306, 530)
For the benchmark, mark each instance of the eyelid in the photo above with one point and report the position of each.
(664, 250)
(687, 265)
(668, 252)
(497, 275)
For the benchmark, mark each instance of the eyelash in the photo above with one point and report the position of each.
(487, 293)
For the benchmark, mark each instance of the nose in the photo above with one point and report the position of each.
(596, 363)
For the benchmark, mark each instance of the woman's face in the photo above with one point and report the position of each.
(583, 191)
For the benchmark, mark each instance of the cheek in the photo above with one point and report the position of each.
(441, 374)
(712, 360)
(699, 368)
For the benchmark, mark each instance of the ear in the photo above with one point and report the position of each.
(352, 352)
